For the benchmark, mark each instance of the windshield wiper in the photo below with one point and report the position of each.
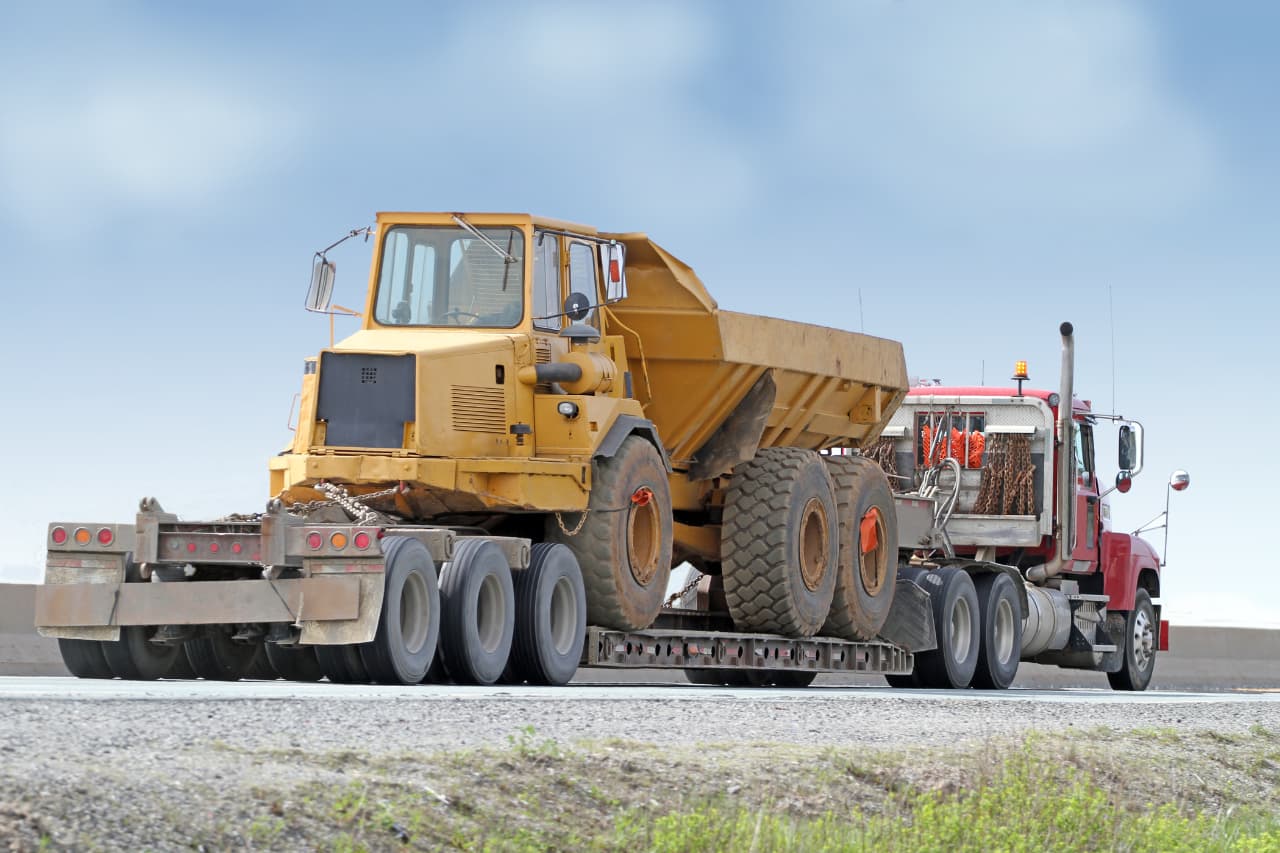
(506, 256)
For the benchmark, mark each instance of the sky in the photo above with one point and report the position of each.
(958, 177)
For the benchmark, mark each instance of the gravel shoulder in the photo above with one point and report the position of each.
(293, 773)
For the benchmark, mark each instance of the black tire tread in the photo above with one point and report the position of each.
(294, 664)
(84, 658)
(848, 619)
(758, 576)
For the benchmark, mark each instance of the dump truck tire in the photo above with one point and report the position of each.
(342, 664)
(294, 663)
(1139, 646)
(409, 624)
(957, 621)
(865, 580)
(84, 658)
(551, 617)
(1001, 618)
(135, 658)
(780, 543)
(478, 604)
(216, 657)
(624, 544)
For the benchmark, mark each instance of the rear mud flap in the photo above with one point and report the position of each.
(910, 622)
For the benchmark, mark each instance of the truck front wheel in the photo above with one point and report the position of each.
(1139, 646)
(623, 545)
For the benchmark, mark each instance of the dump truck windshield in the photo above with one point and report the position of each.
(445, 276)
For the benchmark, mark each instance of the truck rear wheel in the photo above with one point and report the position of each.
(624, 544)
(865, 573)
(958, 624)
(84, 658)
(342, 664)
(478, 604)
(409, 625)
(551, 617)
(779, 543)
(135, 658)
(1139, 646)
(216, 657)
(294, 663)
(1001, 617)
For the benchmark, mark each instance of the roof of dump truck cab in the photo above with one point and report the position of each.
(1078, 405)
(406, 217)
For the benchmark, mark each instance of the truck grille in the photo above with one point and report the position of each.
(479, 409)
(365, 399)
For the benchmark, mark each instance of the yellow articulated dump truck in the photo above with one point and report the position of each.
(494, 476)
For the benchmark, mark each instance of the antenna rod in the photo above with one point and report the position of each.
(1111, 305)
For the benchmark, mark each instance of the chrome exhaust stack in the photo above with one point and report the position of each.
(1066, 474)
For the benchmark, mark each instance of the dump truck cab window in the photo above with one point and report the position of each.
(582, 276)
(443, 276)
(546, 281)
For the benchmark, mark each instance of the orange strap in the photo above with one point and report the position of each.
(869, 536)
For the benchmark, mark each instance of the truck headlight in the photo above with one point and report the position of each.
(568, 408)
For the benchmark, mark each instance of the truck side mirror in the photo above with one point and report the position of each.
(320, 294)
(615, 273)
(1128, 448)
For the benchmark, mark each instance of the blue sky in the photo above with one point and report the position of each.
(979, 172)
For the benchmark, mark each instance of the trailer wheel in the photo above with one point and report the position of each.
(342, 664)
(135, 658)
(1001, 617)
(624, 544)
(789, 678)
(1139, 646)
(216, 657)
(478, 603)
(551, 617)
(84, 658)
(409, 625)
(294, 663)
(904, 682)
(957, 620)
(709, 677)
(865, 572)
(260, 668)
(780, 543)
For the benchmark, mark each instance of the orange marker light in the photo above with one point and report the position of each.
(1020, 370)
(82, 536)
(338, 540)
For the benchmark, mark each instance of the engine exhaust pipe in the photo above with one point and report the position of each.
(1066, 474)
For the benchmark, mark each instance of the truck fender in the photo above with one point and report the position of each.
(624, 426)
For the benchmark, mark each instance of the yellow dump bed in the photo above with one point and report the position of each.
(698, 370)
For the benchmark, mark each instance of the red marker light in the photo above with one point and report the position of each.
(236, 547)
(59, 535)
(105, 536)
(314, 540)
(361, 540)
(213, 547)
(191, 547)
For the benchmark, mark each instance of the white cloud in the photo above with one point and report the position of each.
(1060, 107)
(126, 142)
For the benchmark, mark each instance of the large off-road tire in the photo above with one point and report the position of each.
(409, 625)
(135, 658)
(84, 658)
(294, 663)
(1001, 618)
(478, 603)
(215, 656)
(779, 543)
(624, 545)
(551, 617)
(1140, 641)
(958, 623)
(866, 572)
(342, 664)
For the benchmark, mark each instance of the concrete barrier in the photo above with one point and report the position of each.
(1199, 658)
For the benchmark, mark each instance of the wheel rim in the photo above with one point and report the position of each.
(1143, 639)
(491, 613)
(564, 616)
(415, 613)
(1003, 629)
(644, 529)
(813, 544)
(961, 635)
(874, 564)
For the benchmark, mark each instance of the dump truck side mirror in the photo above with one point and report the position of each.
(615, 272)
(320, 294)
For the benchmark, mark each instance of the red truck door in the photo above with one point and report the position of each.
(1085, 536)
